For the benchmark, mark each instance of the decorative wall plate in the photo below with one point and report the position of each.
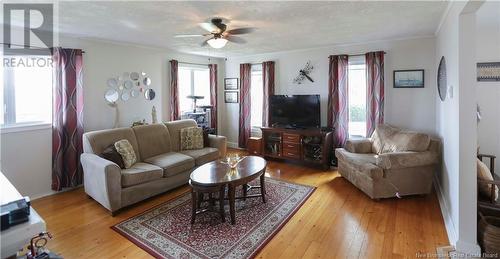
(441, 79)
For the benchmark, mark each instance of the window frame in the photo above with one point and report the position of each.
(9, 124)
(356, 61)
(192, 68)
(255, 131)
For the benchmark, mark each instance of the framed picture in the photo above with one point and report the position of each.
(231, 84)
(409, 78)
(231, 96)
(488, 72)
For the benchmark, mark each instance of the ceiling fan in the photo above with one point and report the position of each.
(219, 35)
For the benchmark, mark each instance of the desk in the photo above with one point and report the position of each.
(18, 236)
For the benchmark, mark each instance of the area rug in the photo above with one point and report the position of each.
(165, 231)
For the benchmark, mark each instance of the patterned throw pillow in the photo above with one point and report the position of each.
(191, 138)
(127, 152)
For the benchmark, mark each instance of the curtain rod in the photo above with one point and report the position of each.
(189, 63)
(32, 47)
(354, 55)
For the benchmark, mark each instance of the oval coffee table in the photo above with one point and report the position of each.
(216, 175)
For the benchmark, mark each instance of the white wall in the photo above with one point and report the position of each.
(455, 124)
(409, 108)
(31, 174)
(488, 93)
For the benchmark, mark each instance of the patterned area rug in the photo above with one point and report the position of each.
(165, 231)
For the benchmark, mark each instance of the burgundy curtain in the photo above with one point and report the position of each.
(375, 90)
(67, 118)
(245, 79)
(268, 83)
(213, 95)
(174, 90)
(337, 99)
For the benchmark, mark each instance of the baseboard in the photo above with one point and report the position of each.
(233, 145)
(445, 211)
(39, 196)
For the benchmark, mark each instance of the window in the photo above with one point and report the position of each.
(26, 93)
(257, 95)
(193, 80)
(357, 96)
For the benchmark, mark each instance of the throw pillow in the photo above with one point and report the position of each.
(112, 155)
(483, 173)
(127, 152)
(191, 138)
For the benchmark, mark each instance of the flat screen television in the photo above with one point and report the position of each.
(295, 111)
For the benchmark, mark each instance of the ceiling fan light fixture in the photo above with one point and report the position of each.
(217, 43)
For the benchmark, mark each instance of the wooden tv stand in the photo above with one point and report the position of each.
(311, 146)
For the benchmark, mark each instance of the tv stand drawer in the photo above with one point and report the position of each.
(291, 153)
(291, 147)
(291, 138)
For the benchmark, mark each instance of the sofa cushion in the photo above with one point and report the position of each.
(96, 141)
(125, 149)
(152, 140)
(140, 173)
(379, 136)
(202, 156)
(174, 128)
(404, 140)
(172, 163)
(191, 138)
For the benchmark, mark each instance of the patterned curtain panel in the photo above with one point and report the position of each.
(245, 79)
(213, 95)
(67, 118)
(174, 90)
(337, 99)
(268, 83)
(375, 90)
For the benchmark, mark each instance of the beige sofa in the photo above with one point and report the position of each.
(161, 165)
(391, 161)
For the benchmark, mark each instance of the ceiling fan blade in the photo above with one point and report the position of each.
(241, 31)
(209, 27)
(188, 35)
(235, 39)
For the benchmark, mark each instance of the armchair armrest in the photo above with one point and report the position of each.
(406, 159)
(218, 142)
(361, 146)
(102, 180)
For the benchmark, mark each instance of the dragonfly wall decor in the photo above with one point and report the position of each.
(304, 73)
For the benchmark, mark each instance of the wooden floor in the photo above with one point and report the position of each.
(338, 221)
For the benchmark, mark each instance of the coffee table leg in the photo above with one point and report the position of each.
(211, 199)
(245, 189)
(262, 188)
(231, 204)
(221, 204)
(199, 200)
(194, 204)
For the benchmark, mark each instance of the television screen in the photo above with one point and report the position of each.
(295, 111)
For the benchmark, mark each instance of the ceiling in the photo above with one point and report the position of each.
(280, 25)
